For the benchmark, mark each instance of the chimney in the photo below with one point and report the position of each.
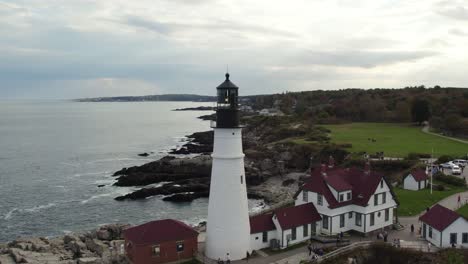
(331, 162)
(323, 170)
(367, 167)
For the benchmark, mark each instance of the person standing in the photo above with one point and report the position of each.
(412, 228)
(309, 247)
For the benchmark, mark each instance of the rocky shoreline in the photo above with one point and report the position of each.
(101, 246)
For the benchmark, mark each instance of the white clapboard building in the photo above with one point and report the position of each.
(284, 227)
(348, 199)
(416, 180)
(443, 227)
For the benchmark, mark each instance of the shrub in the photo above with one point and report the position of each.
(450, 179)
(444, 159)
(416, 156)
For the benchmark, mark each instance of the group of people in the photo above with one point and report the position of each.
(383, 235)
(317, 252)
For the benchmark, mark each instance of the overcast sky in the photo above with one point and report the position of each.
(88, 48)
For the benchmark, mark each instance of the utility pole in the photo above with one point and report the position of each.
(432, 167)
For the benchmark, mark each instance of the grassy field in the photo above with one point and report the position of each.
(463, 210)
(396, 140)
(414, 202)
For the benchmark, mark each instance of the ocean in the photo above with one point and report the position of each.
(54, 154)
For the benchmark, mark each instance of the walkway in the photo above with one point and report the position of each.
(425, 129)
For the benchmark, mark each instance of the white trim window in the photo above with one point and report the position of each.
(319, 199)
(305, 196)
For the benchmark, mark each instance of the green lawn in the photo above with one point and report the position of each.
(414, 202)
(396, 140)
(463, 210)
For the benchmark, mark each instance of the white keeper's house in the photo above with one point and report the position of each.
(443, 227)
(416, 180)
(348, 199)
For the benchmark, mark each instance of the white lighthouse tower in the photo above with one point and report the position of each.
(228, 227)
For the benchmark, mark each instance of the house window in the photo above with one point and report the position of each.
(304, 196)
(358, 219)
(465, 238)
(293, 233)
(319, 199)
(381, 184)
(256, 238)
(341, 197)
(350, 215)
(384, 198)
(342, 219)
(372, 218)
(305, 230)
(430, 232)
(265, 237)
(453, 238)
(156, 251)
(387, 214)
(376, 199)
(180, 246)
(348, 196)
(242, 180)
(325, 222)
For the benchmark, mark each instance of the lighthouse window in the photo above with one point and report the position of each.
(233, 133)
(242, 180)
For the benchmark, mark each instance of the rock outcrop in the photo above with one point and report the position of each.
(101, 246)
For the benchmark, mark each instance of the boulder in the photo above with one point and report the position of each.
(95, 246)
(90, 260)
(144, 154)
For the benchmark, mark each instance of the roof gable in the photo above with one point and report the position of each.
(294, 216)
(159, 231)
(362, 185)
(439, 217)
(419, 175)
(261, 223)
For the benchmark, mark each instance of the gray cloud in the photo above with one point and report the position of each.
(458, 32)
(455, 12)
(358, 58)
(216, 26)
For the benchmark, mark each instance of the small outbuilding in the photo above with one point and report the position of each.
(160, 241)
(296, 224)
(262, 231)
(443, 227)
(416, 180)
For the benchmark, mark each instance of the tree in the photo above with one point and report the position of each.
(420, 111)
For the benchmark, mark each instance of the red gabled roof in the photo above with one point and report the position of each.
(159, 231)
(419, 175)
(439, 217)
(293, 216)
(261, 223)
(361, 184)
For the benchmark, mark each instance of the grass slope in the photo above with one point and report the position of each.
(396, 140)
(463, 210)
(414, 202)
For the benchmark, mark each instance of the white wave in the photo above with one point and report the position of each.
(10, 214)
(90, 173)
(38, 208)
(95, 197)
(70, 164)
(117, 159)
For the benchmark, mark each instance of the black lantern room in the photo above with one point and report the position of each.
(227, 112)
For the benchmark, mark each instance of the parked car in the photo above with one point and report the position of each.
(456, 170)
(460, 162)
(447, 165)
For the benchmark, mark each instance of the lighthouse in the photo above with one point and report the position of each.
(228, 227)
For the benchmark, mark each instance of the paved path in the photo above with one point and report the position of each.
(425, 129)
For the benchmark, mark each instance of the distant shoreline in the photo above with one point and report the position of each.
(151, 98)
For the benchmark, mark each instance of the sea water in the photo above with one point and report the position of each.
(54, 154)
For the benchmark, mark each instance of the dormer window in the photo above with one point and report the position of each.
(348, 196)
(341, 197)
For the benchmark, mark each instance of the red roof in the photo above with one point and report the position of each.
(155, 232)
(439, 217)
(261, 223)
(361, 184)
(293, 216)
(419, 175)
